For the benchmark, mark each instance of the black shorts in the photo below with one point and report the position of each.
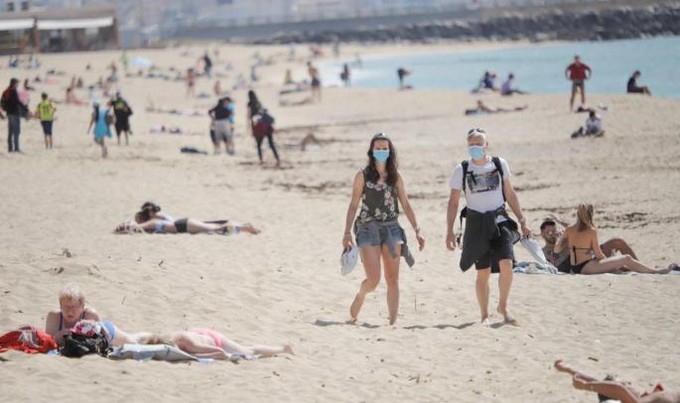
(122, 126)
(500, 248)
(636, 90)
(47, 127)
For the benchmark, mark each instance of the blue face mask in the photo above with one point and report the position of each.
(381, 155)
(476, 152)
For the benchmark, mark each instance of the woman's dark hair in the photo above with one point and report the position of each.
(391, 165)
(253, 103)
(147, 211)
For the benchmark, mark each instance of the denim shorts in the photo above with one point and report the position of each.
(376, 234)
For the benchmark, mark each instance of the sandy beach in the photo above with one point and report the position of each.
(284, 285)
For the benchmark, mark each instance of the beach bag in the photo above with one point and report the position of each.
(5, 99)
(86, 337)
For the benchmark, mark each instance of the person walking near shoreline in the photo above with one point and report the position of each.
(578, 73)
(488, 237)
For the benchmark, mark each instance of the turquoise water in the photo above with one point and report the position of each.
(538, 68)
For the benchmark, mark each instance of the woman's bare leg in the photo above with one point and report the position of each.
(370, 256)
(612, 264)
(562, 367)
(392, 280)
(233, 347)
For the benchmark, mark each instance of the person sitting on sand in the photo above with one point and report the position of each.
(612, 389)
(208, 343)
(551, 234)
(151, 220)
(633, 88)
(72, 309)
(508, 86)
(586, 256)
(593, 127)
(483, 108)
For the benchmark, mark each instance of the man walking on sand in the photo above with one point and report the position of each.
(489, 231)
(578, 73)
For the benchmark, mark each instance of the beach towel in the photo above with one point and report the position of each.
(534, 248)
(145, 352)
(27, 339)
(534, 268)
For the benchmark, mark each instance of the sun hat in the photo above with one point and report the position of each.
(348, 259)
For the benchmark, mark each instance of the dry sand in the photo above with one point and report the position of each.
(284, 285)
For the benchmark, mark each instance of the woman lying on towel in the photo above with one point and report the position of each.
(585, 252)
(151, 220)
(72, 310)
(208, 343)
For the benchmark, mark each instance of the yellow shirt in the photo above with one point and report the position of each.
(46, 110)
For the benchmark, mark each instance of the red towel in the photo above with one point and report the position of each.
(27, 339)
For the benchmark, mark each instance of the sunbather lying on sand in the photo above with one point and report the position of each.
(72, 309)
(151, 220)
(208, 343)
(612, 389)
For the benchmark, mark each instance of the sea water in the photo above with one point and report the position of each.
(538, 68)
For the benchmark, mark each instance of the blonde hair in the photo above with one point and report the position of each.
(72, 292)
(584, 217)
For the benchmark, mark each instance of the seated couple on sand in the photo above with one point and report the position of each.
(579, 251)
(151, 220)
(199, 342)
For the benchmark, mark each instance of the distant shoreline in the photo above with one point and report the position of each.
(572, 24)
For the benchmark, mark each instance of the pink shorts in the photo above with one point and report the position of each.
(216, 336)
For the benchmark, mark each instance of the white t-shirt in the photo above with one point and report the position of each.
(485, 193)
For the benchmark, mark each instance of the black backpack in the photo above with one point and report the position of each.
(497, 162)
(77, 345)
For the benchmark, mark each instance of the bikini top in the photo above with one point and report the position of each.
(61, 319)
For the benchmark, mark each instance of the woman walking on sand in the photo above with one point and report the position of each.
(101, 121)
(377, 190)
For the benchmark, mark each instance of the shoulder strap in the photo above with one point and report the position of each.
(499, 168)
(464, 164)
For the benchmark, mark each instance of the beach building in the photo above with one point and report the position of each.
(25, 29)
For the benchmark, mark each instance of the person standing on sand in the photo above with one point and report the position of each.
(101, 121)
(190, 80)
(122, 112)
(14, 109)
(45, 113)
(313, 72)
(489, 230)
(578, 73)
(378, 189)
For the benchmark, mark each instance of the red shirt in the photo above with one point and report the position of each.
(577, 71)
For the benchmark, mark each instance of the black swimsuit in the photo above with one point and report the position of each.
(576, 268)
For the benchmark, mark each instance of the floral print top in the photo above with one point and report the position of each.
(378, 202)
